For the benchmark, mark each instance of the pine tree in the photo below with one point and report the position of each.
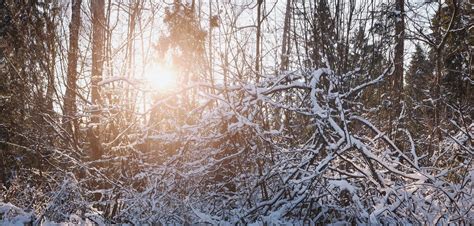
(185, 40)
(419, 76)
(453, 50)
(419, 80)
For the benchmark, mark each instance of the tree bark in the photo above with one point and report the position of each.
(285, 47)
(258, 38)
(98, 41)
(397, 79)
(70, 96)
(396, 83)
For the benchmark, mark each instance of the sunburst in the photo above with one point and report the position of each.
(160, 77)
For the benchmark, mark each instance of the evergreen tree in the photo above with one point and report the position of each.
(185, 39)
(419, 77)
(419, 81)
(450, 31)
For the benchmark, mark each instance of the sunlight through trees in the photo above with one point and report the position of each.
(260, 112)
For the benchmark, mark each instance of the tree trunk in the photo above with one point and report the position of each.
(285, 47)
(396, 89)
(258, 38)
(397, 79)
(51, 45)
(70, 96)
(98, 41)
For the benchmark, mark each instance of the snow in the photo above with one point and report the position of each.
(337, 161)
(12, 215)
(343, 185)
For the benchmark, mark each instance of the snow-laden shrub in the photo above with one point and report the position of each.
(314, 157)
(28, 190)
(66, 200)
(13, 215)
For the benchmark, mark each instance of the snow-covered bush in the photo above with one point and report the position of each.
(13, 215)
(66, 200)
(328, 164)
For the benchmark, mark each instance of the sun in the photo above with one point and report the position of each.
(161, 77)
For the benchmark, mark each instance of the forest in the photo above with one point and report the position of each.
(236, 112)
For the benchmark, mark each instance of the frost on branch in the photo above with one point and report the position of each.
(317, 158)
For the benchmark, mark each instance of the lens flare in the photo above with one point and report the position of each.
(160, 77)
